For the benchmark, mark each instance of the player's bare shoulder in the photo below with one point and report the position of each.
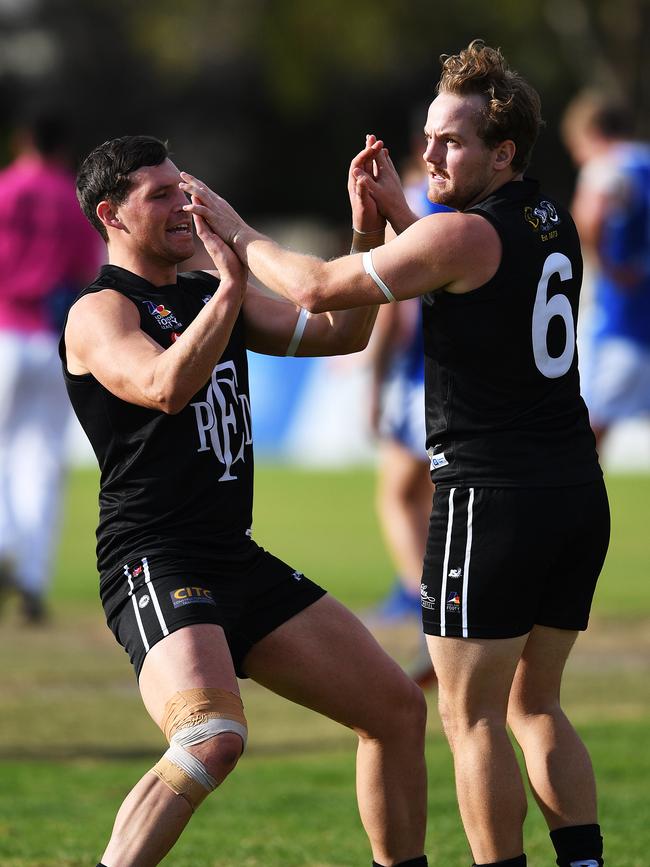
(94, 319)
(464, 250)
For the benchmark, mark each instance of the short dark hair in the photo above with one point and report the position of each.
(512, 107)
(106, 172)
(50, 130)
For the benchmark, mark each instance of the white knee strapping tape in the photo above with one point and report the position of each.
(192, 766)
(191, 735)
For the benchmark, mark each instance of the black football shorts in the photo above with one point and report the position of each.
(249, 603)
(500, 560)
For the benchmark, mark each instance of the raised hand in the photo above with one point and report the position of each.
(384, 186)
(364, 167)
(226, 260)
(222, 219)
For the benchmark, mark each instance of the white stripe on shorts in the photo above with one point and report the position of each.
(136, 609)
(468, 554)
(154, 598)
(445, 566)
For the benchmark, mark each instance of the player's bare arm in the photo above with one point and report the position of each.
(454, 251)
(103, 337)
(275, 326)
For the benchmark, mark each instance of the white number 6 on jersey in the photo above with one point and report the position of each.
(544, 310)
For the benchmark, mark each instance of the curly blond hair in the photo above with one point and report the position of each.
(512, 107)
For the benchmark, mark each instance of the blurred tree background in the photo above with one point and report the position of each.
(269, 99)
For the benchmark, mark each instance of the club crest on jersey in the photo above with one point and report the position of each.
(163, 316)
(543, 217)
(223, 419)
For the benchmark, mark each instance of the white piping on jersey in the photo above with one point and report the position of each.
(445, 566)
(369, 268)
(136, 609)
(154, 597)
(468, 554)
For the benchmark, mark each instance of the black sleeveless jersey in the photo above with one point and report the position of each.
(503, 404)
(174, 485)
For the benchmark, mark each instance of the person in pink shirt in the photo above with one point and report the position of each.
(47, 254)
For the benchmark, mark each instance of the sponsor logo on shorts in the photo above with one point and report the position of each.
(453, 601)
(455, 573)
(297, 575)
(189, 595)
(144, 601)
(427, 601)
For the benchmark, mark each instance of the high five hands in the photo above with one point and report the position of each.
(374, 186)
(218, 215)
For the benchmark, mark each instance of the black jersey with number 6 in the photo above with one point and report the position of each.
(503, 404)
(179, 485)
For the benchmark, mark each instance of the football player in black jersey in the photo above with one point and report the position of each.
(520, 521)
(155, 365)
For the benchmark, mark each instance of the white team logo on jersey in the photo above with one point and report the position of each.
(455, 573)
(543, 216)
(223, 419)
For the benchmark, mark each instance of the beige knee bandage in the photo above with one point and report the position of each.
(191, 717)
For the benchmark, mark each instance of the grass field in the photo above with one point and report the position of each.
(74, 738)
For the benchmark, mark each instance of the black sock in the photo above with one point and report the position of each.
(519, 861)
(412, 862)
(578, 846)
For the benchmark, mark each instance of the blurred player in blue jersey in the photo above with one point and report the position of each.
(611, 209)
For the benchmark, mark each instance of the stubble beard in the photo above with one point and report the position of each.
(455, 197)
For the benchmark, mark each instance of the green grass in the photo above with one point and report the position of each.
(74, 737)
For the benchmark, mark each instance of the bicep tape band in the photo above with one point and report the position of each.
(294, 343)
(370, 269)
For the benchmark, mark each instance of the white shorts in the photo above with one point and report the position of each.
(615, 381)
(402, 417)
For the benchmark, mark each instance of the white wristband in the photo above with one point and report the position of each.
(370, 269)
(294, 343)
